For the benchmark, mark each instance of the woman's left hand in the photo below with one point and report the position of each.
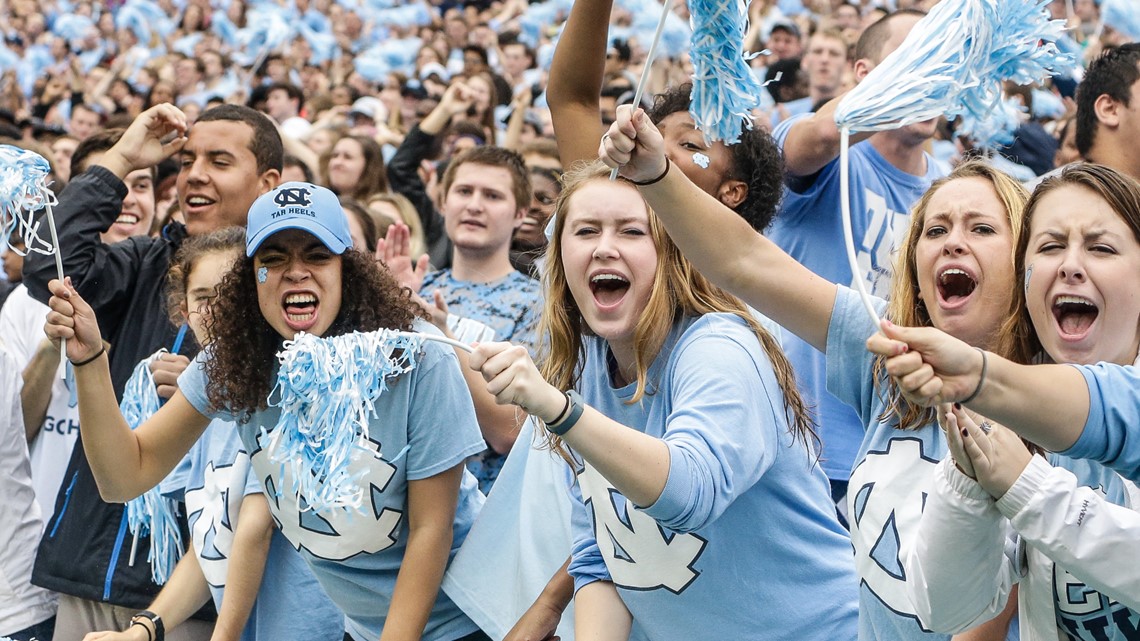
(513, 379)
(997, 454)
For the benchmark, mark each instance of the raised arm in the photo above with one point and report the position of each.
(91, 202)
(576, 80)
(125, 462)
(719, 242)
(813, 142)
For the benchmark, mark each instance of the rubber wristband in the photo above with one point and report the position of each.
(657, 179)
(577, 406)
(138, 622)
(981, 379)
(561, 415)
(102, 350)
(155, 620)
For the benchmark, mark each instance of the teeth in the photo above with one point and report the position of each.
(299, 318)
(197, 201)
(953, 272)
(601, 277)
(127, 219)
(300, 299)
(1078, 300)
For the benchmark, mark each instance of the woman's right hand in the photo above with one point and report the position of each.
(133, 633)
(73, 320)
(634, 145)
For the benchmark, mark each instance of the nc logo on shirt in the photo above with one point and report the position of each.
(638, 552)
(212, 513)
(885, 499)
(339, 534)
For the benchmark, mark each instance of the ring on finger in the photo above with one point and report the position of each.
(986, 426)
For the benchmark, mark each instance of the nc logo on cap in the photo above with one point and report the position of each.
(292, 196)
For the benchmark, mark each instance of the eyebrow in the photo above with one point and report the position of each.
(969, 215)
(203, 291)
(1091, 234)
(621, 221)
(213, 153)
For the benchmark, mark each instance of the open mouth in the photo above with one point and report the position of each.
(127, 219)
(955, 286)
(609, 289)
(198, 201)
(300, 310)
(1075, 315)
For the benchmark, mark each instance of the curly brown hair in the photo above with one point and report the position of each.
(243, 352)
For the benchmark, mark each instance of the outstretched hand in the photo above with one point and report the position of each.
(513, 379)
(633, 145)
(73, 320)
(395, 251)
(929, 365)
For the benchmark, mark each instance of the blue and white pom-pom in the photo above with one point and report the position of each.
(997, 129)
(150, 514)
(953, 63)
(23, 192)
(955, 60)
(327, 389)
(725, 91)
(1122, 16)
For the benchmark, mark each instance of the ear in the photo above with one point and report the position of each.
(1107, 110)
(732, 192)
(861, 68)
(269, 179)
(520, 214)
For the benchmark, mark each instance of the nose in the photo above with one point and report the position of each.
(1071, 268)
(606, 249)
(954, 243)
(296, 271)
(196, 171)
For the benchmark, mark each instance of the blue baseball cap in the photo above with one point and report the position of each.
(298, 205)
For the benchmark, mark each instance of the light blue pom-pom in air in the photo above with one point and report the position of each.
(23, 192)
(725, 91)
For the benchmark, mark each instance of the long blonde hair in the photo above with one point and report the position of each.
(678, 291)
(906, 307)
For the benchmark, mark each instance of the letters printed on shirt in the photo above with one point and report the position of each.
(885, 498)
(639, 553)
(337, 534)
(875, 251)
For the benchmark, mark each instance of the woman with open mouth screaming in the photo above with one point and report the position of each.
(698, 504)
(954, 271)
(299, 274)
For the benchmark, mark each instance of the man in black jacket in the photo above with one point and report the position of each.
(231, 156)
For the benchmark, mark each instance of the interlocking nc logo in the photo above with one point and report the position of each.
(292, 196)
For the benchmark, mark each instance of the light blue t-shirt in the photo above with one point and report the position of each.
(743, 542)
(213, 479)
(511, 307)
(809, 227)
(425, 425)
(889, 483)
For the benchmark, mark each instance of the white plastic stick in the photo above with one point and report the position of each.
(648, 65)
(848, 236)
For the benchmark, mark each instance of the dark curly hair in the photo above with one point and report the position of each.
(244, 347)
(756, 160)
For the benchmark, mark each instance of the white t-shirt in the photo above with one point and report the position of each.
(22, 326)
(21, 524)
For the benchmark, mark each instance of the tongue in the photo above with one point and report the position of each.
(1076, 322)
(300, 308)
(608, 296)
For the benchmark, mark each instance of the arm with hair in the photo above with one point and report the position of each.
(576, 80)
(813, 142)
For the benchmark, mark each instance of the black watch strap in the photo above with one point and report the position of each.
(155, 620)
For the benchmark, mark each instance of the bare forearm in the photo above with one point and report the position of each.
(576, 80)
(600, 614)
(726, 250)
(814, 141)
(1046, 404)
(243, 578)
(184, 593)
(635, 463)
(35, 396)
(417, 583)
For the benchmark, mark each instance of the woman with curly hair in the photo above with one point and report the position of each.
(694, 455)
(299, 274)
